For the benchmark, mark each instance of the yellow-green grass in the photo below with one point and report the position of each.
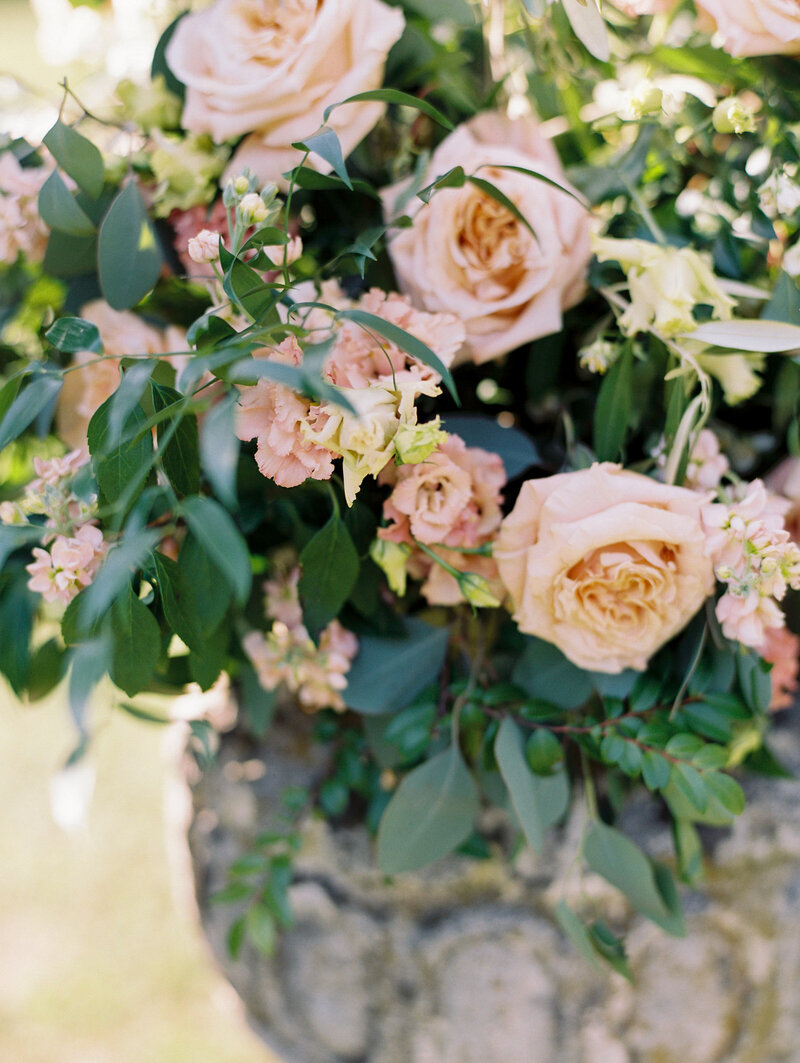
(97, 962)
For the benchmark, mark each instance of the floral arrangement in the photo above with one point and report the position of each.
(435, 371)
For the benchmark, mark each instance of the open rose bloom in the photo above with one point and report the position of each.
(435, 377)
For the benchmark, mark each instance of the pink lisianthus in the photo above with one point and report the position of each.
(274, 416)
(707, 464)
(70, 565)
(782, 649)
(360, 357)
(440, 587)
(22, 230)
(748, 618)
(452, 498)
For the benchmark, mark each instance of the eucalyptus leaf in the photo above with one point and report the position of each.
(74, 334)
(30, 402)
(538, 801)
(516, 450)
(59, 209)
(388, 673)
(77, 156)
(128, 256)
(431, 813)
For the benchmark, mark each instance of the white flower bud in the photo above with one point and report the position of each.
(645, 98)
(733, 116)
(252, 209)
(204, 247)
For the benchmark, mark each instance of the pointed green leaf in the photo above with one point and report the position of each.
(393, 96)
(180, 455)
(136, 643)
(59, 209)
(222, 541)
(128, 256)
(431, 813)
(77, 156)
(26, 407)
(612, 413)
(388, 673)
(326, 144)
(329, 564)
(538, 801)
(73, 334)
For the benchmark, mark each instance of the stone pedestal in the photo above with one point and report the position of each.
(462, 963)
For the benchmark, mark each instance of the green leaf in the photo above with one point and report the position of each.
(114, 575)
(402, 99)
(388, 673)
(620, 862)
(691, 784)
(610, 947)
(180, 456)
(689, 851)
(537, 175)
(128, 256)
(18, 606)
(222, 541)
(73, 334)
(70, 256)
(206, 666)
(516, 450)
(202, 585)
(261, 929)
(544, 672)
(219, 449)
(89, 662)
(785, 302)
(326, 144)
(118, 464)
(453, 178)
(431, 813)
(655, 771)
(404, 340)
(177, 605)
(160, 66)
(136, 643)
(329, 564)
(26, 407)
(709, 720)
(612, 412)
(59, 210)
(726, 790)
(754, 679)
(538, 801)
(247, 288)
(77, 156)
(576, 932)
(48, 667)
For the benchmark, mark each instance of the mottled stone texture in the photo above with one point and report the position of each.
(463, 964)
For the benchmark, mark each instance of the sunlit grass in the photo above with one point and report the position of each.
(97, 963)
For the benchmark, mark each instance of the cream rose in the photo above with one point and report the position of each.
(468, 255)
(270, 68)
(604, 563)
(756, 27)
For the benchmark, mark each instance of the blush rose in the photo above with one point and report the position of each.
(604, 563)
(269, 68)
(756, 27)
(468, 255)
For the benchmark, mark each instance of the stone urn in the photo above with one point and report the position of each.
(463, 962)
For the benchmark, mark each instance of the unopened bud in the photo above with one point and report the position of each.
(253, 209)
(285, 254)
(476, 590)
(391, 558)
(733, 116)
(241, 185)
(645, 98)
(204, 247)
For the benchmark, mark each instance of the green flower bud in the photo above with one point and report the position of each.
(391, 558)
(733, 116)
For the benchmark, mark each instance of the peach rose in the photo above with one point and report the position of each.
(87, 388)
(604, 563)
(756, 27)
(468, 255)
(270, 68)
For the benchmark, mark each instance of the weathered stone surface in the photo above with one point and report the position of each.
(462, 963)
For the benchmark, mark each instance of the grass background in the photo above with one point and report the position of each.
(98, 964)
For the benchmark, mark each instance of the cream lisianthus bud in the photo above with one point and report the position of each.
(204, 247)
(392, 559)
(733, 116)
(645, 98)
(414, 443)
(285, 254)
(241, 185)
(252, 209)
(476, 590)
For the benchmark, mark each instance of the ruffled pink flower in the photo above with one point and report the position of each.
(782, 649)
(322, 675)
(452, 498)
(707, 464)
(748, 618)
(69, 566)
(360, 357)
(22, 230)
(274, 416)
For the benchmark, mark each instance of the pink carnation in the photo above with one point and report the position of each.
(274, 416)
(782, 649)
(452, 498)
(70, 565)
(359, 357)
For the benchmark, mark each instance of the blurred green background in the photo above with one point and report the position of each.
(99, 963)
